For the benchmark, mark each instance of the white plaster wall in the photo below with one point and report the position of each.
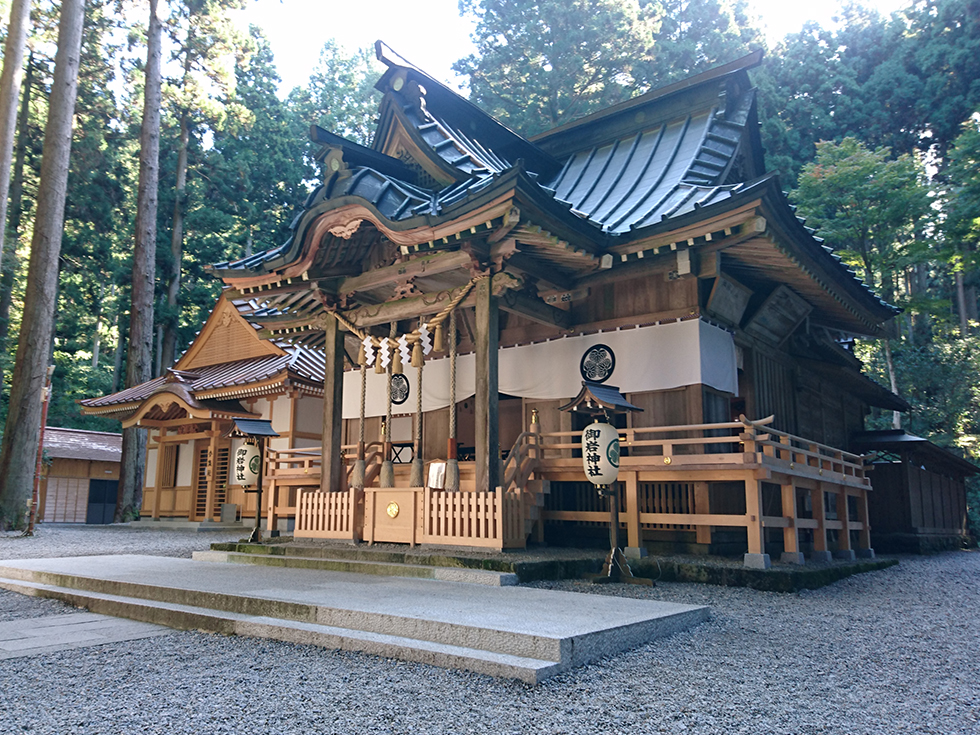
(150, 479)
(281, 414)
(309, 414)
(401, 428)
(185, 464)
(306, 443)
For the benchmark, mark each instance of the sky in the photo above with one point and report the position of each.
(430, 33)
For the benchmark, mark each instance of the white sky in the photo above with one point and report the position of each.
(430, 33)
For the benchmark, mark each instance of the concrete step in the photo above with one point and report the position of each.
(384, 569)
(190, 617)
(471, 626)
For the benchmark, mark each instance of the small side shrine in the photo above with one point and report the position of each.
(920, 503)
(456, 282)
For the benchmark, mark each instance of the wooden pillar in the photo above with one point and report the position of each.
(753, 509)
(270, 491)
(157, 480)
(634, 539)
(791, 535)
(756, 557)
(332, 471)
(818, 500)
(487, 429)
(212, 471)
(702, 506)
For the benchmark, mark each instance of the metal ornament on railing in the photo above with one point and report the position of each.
(600, 453)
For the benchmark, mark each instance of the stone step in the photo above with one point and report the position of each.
(469, 626)
(384, 569)
(189, 617)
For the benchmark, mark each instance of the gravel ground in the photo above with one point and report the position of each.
(893, 651)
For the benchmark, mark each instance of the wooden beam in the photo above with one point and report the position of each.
(425, 265)
(525, 264)
(535, 310)
(416, 306)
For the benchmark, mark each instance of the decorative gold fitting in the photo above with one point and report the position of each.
(392, 510)
(534, 415)
(666, 460)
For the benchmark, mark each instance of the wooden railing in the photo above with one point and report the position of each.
(482, 519)
(665, 474)
(328, 515)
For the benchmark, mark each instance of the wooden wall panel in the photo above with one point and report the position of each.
(66, 500)
(774, 391)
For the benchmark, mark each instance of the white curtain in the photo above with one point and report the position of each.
(647, 358)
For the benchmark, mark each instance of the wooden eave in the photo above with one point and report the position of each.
(396, 132)
(168, 402)
(471, 217)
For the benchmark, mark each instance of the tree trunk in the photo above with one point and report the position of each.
(176, 248)
(13, 64)
(97, 336)
(896, 415)
(139, 358)
(961, 304)
(16, 211)
(117, 356)
(20, 438)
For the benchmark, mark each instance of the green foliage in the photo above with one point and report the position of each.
(340, 96)
(695, 35)
(868, 206)
(963, 210)
(541, 64)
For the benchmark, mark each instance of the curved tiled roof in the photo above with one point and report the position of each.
(669, 153)
(299, 363)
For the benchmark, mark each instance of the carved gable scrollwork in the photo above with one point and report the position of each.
(346, 231)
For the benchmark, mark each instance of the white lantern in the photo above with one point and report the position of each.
(247, 461)
(600, 453)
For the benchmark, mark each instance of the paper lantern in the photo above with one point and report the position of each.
(247, 461)
(600, 453)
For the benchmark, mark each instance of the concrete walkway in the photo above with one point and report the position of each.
(517, 632)
(33, 636)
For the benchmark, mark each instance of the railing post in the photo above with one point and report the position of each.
(756, 558)
(702, 506)
(634, 538)
(844, 550)
(791, 535)
(864, 549)
(818, 501)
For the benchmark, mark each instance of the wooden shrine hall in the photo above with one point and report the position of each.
(456, 282)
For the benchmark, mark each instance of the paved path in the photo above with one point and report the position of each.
(32, 636)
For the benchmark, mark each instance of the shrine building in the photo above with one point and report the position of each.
(448, 288)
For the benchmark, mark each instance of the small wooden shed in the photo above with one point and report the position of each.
(919, 498)
(80, 476)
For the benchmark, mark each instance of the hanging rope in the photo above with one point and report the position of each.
(360, 468)
(452, 465)
(387, 478)
(418, 465)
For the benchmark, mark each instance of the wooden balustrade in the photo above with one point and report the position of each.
(328, 514)
(667, 473)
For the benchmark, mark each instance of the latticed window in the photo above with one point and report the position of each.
(168, 465)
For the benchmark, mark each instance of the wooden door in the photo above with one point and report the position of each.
(221, 464)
